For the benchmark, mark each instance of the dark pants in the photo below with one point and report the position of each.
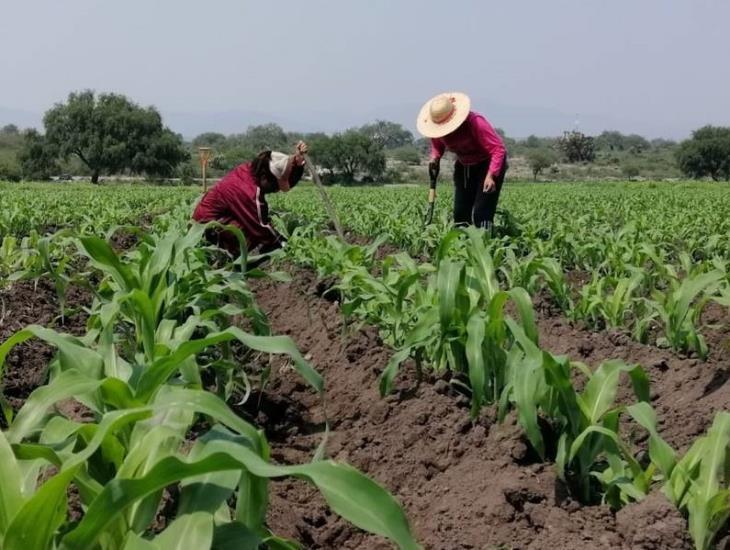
(472, 206)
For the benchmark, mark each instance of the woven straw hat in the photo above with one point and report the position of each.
(443, 114)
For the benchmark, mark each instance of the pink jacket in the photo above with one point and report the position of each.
(473, 142)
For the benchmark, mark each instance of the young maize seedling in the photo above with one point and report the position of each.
(699, 483)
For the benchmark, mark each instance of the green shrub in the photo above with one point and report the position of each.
(9, 171)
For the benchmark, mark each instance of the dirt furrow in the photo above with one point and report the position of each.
(464, 484)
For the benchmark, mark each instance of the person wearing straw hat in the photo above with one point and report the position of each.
(481, 158)
(239, 200)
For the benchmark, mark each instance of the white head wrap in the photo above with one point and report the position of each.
(278, 163)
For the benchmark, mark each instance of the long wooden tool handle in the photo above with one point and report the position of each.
(433, 173)
(327, 203)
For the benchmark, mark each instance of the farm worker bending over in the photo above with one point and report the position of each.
(481, 158)
(239, 199)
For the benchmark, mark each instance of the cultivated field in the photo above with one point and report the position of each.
(563, 383)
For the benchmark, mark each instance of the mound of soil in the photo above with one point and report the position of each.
(686, 392)
(463, 483)
(26, 303)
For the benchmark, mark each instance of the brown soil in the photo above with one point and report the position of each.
(463, 484)
(26, 303)
(686, 392)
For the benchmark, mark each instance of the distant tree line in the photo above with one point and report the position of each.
(108, 134)
(355, 155)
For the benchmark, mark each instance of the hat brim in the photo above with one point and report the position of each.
(430, 129)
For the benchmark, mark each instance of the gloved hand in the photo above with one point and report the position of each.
(300, 150)
(434, 166)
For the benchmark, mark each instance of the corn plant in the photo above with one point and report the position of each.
(387, 301)
(144, 403)
(120, 463)
(588, 443)
(699, 483)
(679, 309)
(460, 324)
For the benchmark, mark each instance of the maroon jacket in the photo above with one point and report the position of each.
(238, 200)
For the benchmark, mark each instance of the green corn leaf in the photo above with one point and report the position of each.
(36, 522)
(450, 277)
(477, 376)
(611, 436)
(527, 313)
(160, 260)
(158, 373)
(391, 370)
(482, 260)
(135, 542)
(703, 505)
(253, 499)
(660, 452)
(208, 492)
(186, 532)
(527, 377)
(446, 243)
(66, 385)
(74, 354)
(236, 536)
(691, 288)
(600, 391)
(103, 257)
(213, 406)
(11, 484)
(348, 492)
(144, 307)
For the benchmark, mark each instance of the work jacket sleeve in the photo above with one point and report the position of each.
(489, 139)
(438, 147)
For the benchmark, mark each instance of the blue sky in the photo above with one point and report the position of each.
(657, 67)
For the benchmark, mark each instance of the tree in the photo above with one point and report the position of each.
(407, 154)
(349, 155)
(616, 141)
(610, 140)
(390, 134)
(266, 137)
(160, 155)
(706, 153)
(231, 157)
(10, 129)
(9, 171)
(110, 134)
(532, 142)
(37, 158)
(539, 160)
(210, 139)
(636, 144)
(631, 170)
(577, 147)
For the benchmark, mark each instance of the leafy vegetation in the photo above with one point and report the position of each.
(164, 341)
(154, 372)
